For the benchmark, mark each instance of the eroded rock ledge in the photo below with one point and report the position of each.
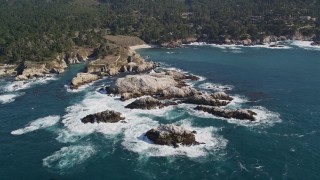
(104, 117)
(172, 135)
(242, 114)
(216, 99)
(149, 103)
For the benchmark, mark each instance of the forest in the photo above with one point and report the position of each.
(39, 29)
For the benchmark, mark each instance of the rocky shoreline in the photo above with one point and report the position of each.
(124, 59)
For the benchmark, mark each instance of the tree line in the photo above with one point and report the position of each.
(37, 30)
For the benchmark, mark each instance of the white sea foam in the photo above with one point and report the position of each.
(40, 123)
(269, 46)
(8, 98)
(79, 89)
(170, 52)
(236, 48)
(94, 103)
(304, 44)
(68, 157)
(198, 44)
(229, 48)
(135, 141)
(237, 102)
(215, 87)
(136, 125)
(20, 85)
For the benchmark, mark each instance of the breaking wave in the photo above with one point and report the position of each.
(8, 98)
(40, 123)
(68, 157)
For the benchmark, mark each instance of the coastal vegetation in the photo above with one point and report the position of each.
(34, 30)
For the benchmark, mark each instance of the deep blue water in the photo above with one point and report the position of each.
(282, 84)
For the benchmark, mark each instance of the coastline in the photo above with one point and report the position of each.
(272, 45)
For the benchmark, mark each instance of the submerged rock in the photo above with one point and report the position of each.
(242, 114)
(148, 103)
(83, 78)
(172, 135)
(105, 117)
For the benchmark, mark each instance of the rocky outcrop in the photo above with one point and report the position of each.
(83, 78)
(28, 70)
(8, 70)
(56, 66)
(221, 96)
(167, 85)
(178, 75)
(172, 135)
(243, 114)
(148, 103)
(300, 37)
(177, 92)
(104, 117)
(206, 99)
(113, 65)
(143, 84)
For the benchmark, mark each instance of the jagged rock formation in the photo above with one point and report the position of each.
(178, 75)
(243, 114)
(221, 96)
(144, 84)
(172, 135)
(83, 78)
(161, 84)
(178, 92)
(206, 99)
(105, 117)
(148, 103)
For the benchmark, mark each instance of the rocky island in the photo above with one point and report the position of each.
(104, 117)
(172, 135)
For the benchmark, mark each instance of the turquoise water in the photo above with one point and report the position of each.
(42, 137)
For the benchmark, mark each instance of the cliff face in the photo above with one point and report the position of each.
(76, 55)
(29, 69)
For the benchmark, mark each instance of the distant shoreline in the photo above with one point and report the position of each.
(273, 45)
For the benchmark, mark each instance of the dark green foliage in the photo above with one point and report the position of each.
(39, 29)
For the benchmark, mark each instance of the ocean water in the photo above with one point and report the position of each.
(41, 136)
